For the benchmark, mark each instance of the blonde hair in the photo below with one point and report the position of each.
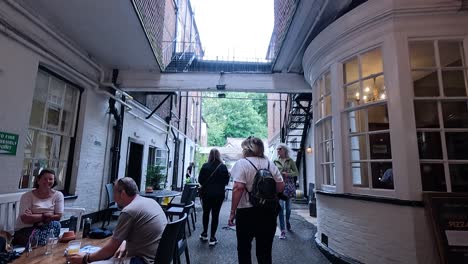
(253, 147)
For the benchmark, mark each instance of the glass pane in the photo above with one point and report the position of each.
(433, 177)
(328, 151)
(368, 90)
(455, 114)
(382, 175)
(326, 174)
(358, 147)
(39, 100)
(53, 118)
(327, 110)
(450, 53)
(457, 145)
(379, 89)
(64, 148)
(327, 126)
(425, 83)
(351, 71)
(28, 146)
(360, 175)
(68, 114)
(380, 147)
(357, 121)
(371, 62)
(377, 117)
(26, 175)
(459, 176)
(429, 145)
(56, 92)
(327, 83)
(421, 54)
(426, 114)
(353, 95)
(454, 83)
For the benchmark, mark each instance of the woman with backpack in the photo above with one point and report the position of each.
(252, 219)
(288, 169)
(214, 176)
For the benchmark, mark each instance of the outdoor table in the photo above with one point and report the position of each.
(158, 195)
(37, 256)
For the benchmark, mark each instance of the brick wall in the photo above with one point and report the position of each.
(373, 232)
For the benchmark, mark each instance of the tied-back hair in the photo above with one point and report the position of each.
(253, 147)
(214, 156)
(44, 171)
(287, 151)
(128, 185)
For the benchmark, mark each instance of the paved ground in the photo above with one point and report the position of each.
(299, 246)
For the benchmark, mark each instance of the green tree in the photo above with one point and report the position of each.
(235, 117)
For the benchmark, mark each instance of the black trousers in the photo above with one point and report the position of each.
(255, 223)
(213, 205)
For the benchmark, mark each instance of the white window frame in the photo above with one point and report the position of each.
(369, 189)
(445, 161)
(59, 165)
(321, 138)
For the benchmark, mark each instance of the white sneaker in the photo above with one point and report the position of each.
(203, 237)
(213, 241)
(283, 235)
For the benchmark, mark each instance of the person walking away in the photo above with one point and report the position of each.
(288, 170)
(138, 232)
(214, 176)
(40, 210)
(252, 222)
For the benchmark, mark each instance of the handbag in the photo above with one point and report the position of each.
(201, 189)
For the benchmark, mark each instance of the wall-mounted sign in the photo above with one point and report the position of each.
(448, 215)
(8, 143)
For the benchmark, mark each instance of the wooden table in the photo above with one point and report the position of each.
(158, 195)
(37, 256)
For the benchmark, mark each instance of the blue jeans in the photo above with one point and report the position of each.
(284, 204)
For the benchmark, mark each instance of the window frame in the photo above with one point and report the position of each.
(381, 101)
(439, 100)
(328, 181)
(29, 163)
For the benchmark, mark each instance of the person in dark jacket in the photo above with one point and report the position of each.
(213, 178)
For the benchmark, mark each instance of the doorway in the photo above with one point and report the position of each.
(134, 161)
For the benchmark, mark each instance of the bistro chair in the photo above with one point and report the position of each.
(112, 208)
(180, 211)
(168, 245)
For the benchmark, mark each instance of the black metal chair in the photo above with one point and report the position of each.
(168, 245)
(112, 208)
(180, 211)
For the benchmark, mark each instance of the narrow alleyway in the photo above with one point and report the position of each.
(298, 247)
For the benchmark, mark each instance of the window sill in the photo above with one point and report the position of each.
(372, 198)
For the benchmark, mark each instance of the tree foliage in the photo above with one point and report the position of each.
(233, 117)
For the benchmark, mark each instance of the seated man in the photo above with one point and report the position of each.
(138, 231)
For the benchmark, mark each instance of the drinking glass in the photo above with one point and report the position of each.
(51, 242)
(73, 247)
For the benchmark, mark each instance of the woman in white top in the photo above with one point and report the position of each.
(252, 222)
(40, 210)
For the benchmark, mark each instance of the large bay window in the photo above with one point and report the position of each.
(439, 71)
(367, 121)
(51, 129)
(324, 131)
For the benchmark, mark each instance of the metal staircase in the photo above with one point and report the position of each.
(297, 123)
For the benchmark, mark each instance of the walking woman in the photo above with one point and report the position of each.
(288, 170)
(213, 178)
(252, 222)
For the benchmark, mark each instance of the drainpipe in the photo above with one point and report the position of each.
(185, 140)
(118, 117)
(168, 121)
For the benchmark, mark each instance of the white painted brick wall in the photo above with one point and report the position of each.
(373, 232)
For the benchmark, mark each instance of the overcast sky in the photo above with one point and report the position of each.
(234, 28)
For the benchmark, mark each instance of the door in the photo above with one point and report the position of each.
(134, 161)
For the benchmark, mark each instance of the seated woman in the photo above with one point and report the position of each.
(40, 210)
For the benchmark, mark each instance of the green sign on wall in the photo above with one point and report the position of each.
(8, 143)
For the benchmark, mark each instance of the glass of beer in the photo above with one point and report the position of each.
(73, 247)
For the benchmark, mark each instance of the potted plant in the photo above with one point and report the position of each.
(154, 178)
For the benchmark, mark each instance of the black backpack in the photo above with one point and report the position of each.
(263, 194)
